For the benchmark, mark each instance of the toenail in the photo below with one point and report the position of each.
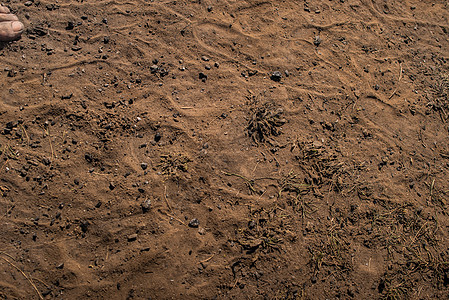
(17, 26)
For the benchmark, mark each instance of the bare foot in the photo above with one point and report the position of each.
(10, 27)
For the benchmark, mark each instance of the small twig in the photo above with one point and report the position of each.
(416, 235)
(165, 198)
(25, 132)
(174, 218)
(399, 79)
(25, 275)
(207, 259)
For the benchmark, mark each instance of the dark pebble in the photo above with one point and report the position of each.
(317, 41)
(157, 137)
(144, 166)
(84, 226)
(202, 76)
(251, 224)
(60, 266)
(276, 76)
(69, 26)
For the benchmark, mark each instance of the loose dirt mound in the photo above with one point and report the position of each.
(225, 149)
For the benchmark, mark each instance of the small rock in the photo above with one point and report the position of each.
(28, 3)
(317, 41)
(154, 68)
(144, 166)
(205, 58)
(69, 26)
(84, 226)
(88, 157)
(276, 76)
(132, 237)
(194, 223)
(146, 205)
(157, 137)
(202, 76)
(251, 224)
(111, 186)
(209, 8)
(60, 266)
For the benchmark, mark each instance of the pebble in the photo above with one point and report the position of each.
(202, 76)
(276, 76)
(132, 237)
(157, 137)
(317, 41)
(194, 223)
(84, 226)
(205, 58)
(144, 166)
(154, 68)
(146, 205)
(251, 224)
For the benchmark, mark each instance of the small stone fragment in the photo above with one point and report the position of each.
(317, 41)
(154, 68)
(146, 205)
(276, 76)
(132, 237)
(84, 226)
(202, 76)
(157, 137)
(144, 166)
(194, 223)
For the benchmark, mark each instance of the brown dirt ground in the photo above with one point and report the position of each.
(122, 121)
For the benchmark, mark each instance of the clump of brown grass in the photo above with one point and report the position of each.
(265, 121)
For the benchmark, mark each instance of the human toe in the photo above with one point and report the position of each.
(10, 30)
(4, 10)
